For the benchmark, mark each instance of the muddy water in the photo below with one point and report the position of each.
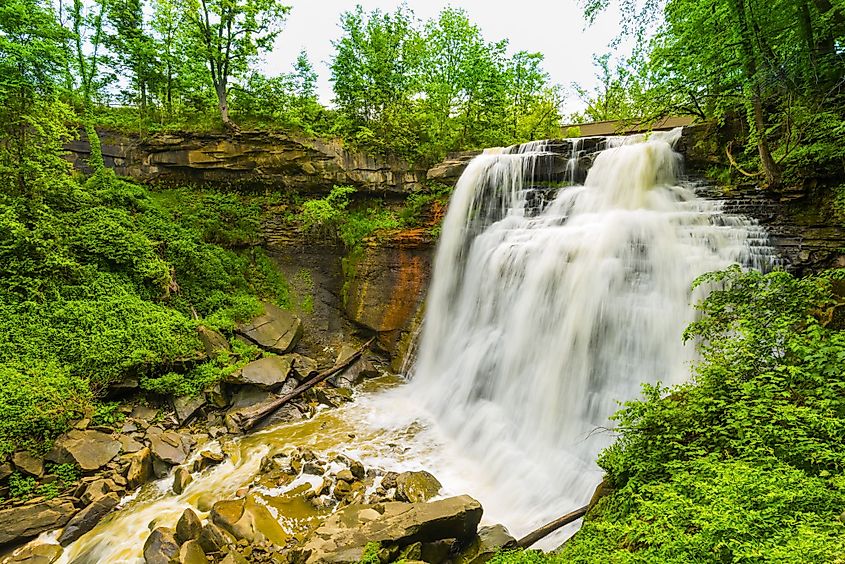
(381, 428)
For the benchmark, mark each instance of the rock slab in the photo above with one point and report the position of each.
(276, 330)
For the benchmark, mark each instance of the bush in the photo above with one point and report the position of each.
(746, 463)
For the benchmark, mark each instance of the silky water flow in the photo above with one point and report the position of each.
(551, 302)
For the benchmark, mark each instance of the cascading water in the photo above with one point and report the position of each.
(551, 302)
(540, 321)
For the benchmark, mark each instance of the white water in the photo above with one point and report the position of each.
(538, 323)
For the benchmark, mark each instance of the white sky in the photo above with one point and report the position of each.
(555, 28)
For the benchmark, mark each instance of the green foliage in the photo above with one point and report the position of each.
(370, 555)
(331, 217)
(24, 487)
(107, 414)
(420, 91)
(21, 486)
(746, 463)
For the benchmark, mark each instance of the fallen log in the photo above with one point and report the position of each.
(249, 418)
(549, 528)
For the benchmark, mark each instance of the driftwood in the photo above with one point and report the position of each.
(249, 418)
(549, 528)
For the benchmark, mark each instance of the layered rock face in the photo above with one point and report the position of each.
(381, 288)
(249, 160)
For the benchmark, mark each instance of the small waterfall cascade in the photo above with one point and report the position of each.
(552, 301)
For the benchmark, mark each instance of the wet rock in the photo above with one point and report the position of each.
(416, 486)
(161, 547)
(313, 467)
(170, 447)
(437, 551)
(342, 537)
(181, 479)
(288, 413)
(346, 475)
(213, 539)
(354, 466)
(86, 519)
(266, 373)
(140, 468)
(248, 520)
(36, 554)
(234, 558)
(208, 459)
(5, 470)
(128, 444)
(213, 342)
(333, 397)
(389, 480)
(25, 521)
(187, 406)
(188, 527)
(89, 449)
(489, 541)
(276, 330)
(28, 464)
(191, 553)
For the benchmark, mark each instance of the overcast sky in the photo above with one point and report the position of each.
(555, 28)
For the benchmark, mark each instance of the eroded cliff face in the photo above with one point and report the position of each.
(250, 160)
(380, 288)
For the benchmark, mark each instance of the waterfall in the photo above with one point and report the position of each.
(542, 317)
(557, 292)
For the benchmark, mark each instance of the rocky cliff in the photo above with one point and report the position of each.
(380, 289)
(250, 160)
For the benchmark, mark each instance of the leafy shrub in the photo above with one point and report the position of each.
(108, 414)
(746, 463)
(38, 402)
(330, 217)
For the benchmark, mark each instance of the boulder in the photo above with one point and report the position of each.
(161, 547)
(5, 470)
(128, 444)
(208, 459)
(36, 554)
(276, 330)
(304, 367)
(213, 342)
(416, 486)
(186, 406)
(170, 447)
(216, 395)
(188, 527)
(140, 468)
(88, 449)
(30, 520)
(86, 519)
(191, 553)
(212, 538)
(28, 464)
(489, 541)
(97, 489)
(266, 373)
(246, 519)
(181, 479)
(343, 536)
(353, 374)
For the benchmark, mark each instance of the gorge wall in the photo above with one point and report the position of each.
(381, 287)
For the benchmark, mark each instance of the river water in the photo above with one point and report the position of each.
(543, 314)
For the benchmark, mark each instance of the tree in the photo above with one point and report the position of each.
(32, 119)
(134, 47)
(229, 35)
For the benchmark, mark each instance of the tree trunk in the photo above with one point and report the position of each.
(223, 106)
(757, 118)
